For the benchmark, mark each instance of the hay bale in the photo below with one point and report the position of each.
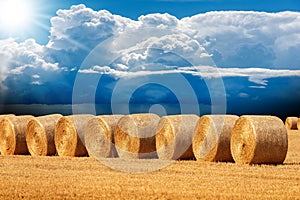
(13, 135)
(298, 124)
(135, 136)
(69, 135)
(40, 135)
(212, 138)
(291, 123)
(99, 136)
(259, 140)
(174, 136)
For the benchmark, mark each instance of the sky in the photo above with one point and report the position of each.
(162, 56)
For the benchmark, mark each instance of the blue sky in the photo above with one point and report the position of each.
(203, 56)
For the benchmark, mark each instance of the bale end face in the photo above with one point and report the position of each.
(243, 141)
(98, 138)
(65, 137)
(165, 139)
(126, 138)
(205, 140)
(7, 137)
(36, 138)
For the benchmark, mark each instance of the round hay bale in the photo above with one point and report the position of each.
(291, 123)
(174, 136)
(298, 124)
(99, 136)
(13, 135)
(135, 136)
(259, 140)
(40, 135)
(212, 138)
(69, 135)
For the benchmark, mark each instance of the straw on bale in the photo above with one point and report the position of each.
(13, 135)
(135, 136)
(298, 124)
(40, 135)
(99, 136)
(291, 123)
(174, 136)
(259, 140)
(7, 115)
(69, 135)
(212, 138)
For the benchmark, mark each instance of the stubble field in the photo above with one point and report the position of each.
(54, 177)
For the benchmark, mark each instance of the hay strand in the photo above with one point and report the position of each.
(291, 123)
(13, 135)
(69, 135)
(40, 135)
(174, 135)
(99, 136)
(212, 138)
(135, 136)
(259, 140)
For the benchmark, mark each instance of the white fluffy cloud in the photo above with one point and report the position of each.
(255, 45)
(83, 28)
(25, 58)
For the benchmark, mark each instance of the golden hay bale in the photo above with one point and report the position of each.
(40, 135)
(99, 136)
(135, 136)
(69, 135)
(212, 138)
(291, 123)
(13, 135)
(298, 124)
(259, 140)
(174, 136)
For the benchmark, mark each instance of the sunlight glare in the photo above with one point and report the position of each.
(15, 15)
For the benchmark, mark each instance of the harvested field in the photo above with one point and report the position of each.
(66, 177)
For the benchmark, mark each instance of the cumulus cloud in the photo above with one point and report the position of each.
(83, 28)
(23, 59)
(257, 46)
(244, 39)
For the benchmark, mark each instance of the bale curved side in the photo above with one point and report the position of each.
(259, 140)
